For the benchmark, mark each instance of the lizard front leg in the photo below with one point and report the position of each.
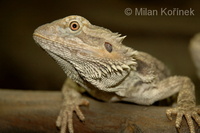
(71, 102)
(147, 94)
(186, 104)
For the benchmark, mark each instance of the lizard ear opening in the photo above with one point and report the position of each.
(108, 46)
(74, 26)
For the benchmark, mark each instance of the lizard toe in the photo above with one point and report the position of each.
(179, 119)
(190, 122)
(170, 112)
(196, 117)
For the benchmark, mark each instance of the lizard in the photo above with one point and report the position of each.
(194, 48)
(96, 59)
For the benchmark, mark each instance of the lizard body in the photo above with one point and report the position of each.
(96, 59)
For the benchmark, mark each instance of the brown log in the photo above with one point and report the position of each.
(36, 111)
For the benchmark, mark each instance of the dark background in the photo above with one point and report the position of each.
(23, 65)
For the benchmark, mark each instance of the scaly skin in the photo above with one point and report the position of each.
(96, 59)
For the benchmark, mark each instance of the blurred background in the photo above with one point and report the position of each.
(24, 65)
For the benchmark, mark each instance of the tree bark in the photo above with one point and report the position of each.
(36, 112)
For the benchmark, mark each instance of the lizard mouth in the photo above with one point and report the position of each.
(54, 43)
(45, 43)
(48, 44)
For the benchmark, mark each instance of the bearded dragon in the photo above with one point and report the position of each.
(96, 59)
(195, 52)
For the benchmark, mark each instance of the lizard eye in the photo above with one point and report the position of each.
(74, 26)
(108, 47)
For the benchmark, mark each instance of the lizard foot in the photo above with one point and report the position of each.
(64, 120)
(189, 113)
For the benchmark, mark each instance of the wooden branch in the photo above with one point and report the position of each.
(36, 111)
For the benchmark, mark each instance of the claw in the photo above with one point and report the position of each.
(169, 114)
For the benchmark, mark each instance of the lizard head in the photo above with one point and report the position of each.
(87, 52)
